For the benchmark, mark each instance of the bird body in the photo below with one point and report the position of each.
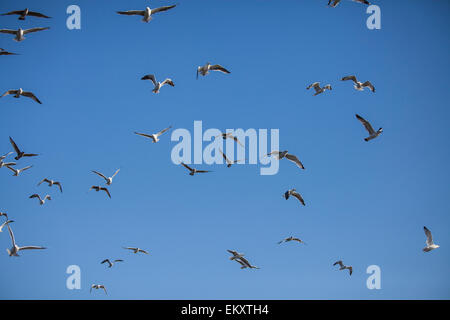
(107, 179)
(41, 200)
(430, 244)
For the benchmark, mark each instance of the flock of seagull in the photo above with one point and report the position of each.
(204, 70)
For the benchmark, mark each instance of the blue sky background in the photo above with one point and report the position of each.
(366, 202)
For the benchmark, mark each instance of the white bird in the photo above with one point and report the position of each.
(51, 183)
(136, 250)
(359, 85)
(41, 201)
(230, 136)
(4, 164)
(294, 193)
(108, 179)
(204, 70)
(147, 13)
(154, 136)
(158, 85)
(193, 170)
(98, 188)
(343, 267)
(20, 92)
(19, 33)
(20, 154)
(430, 244)
(316, 86)
(291, 238)
(4, 224)
(18, 171)
(98, 286)
(284, 154)
(368, 126)
(15, 248)
(111, 263)
(228, 161)
(24, 13)
(3, 52)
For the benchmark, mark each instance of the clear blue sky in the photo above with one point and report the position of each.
(366, 202)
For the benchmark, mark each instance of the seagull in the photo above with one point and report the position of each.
(98, 188)
(292, 239)
(4, 164)
(239, 257)
(51, 183)
(20, 92)
(15, 248)
(98, 286)
(136, 250)
(333, 3)
(158, 85)
(342, 267)
(108, 180)
(111, 263)
(4, 224)
(294, 193)
(41, 201)
(20, 154)
(147, 13)
(155, 136)
(359, 85)
(430, 244)
(284, 154)
(3, 52)
(316, 86)
(373, 133)
(228, 161)
(20, 32)
(230, 136)
(194, 171)
(18, 171)
(23, 13)
(204, 70)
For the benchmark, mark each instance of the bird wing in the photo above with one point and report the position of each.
(150, 77)
(118, 260)
(26, 168)
(187, 167)
(350, 269)
(35, 196)
(11, 235)
(107, 191)
(32, 96)
(169, 82)
(241, 263)
(203, 171)
(14, 145)
(353, 78)
(145, 135)
(366, 124)
(130, 248)
(37, 14)
(132, 12)
(299, 197)
(101, 175)
(34, 30)
(429, 236)
(162, 131)
(43, 180)
(161, 9)
(117, 171)
(315, 85)
(9, 92)
(143, 251)
(30, 155)
(8, 31)
(369, 84)
(338, 262)
(218, 67)
(12, 169)
(5, 155)
(12, 12)
(59, 185)
(245, 261)
(32, 248)
(294, 159)
(234, 253)
(225, 157)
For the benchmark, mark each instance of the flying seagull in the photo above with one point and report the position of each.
(18, 171)
(430, 244)
(51, 183)
(154, 136)
(98, 286)
(228, 161)
(284, 154)
(366, 124)
(4, 164)
(20, 154)
(98, 188)
(41, 201)
(4, 224)
(291, 239)
(319, 90)
(147, 13)
(342, 267)
(110, 264)
(20, 92)
(158, 85)
(359, 85)
(229, 136)
(204, 70)
(108, 180)
(194, 171)
(19, 33)
(15, 248)
(3, 52)
(239, 257)
(136, 250)
(294, 193)
(23, 13)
